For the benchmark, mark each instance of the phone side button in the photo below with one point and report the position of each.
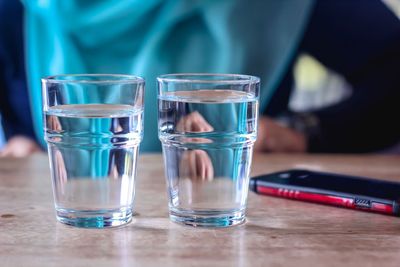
(362, 203)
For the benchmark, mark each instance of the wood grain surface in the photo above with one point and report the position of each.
(278, 232)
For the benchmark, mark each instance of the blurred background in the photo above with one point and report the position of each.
(315, 86)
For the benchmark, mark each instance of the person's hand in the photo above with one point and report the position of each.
(195, 123)
(196, 165)
(19, 146)
(274, 137)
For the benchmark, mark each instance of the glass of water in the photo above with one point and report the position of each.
(207, 125)
(93, 126)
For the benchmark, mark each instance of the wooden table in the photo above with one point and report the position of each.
(278, 232)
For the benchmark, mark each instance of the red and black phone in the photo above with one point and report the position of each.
(333, 189)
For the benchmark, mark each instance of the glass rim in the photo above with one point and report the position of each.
(226, 78)
(108, 78)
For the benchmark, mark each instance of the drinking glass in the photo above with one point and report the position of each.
(93, 126)
(207, 126)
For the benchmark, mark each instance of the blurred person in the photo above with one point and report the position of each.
(14, 103)
(261, 38)
(345, 37)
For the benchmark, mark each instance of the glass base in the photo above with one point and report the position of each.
(207, 218)
(94, 219)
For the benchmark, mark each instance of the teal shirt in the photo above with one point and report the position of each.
(153, 37)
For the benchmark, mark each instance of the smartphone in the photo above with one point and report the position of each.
(352, 192)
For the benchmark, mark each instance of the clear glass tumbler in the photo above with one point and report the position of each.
(93, 126)
(207, 126)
